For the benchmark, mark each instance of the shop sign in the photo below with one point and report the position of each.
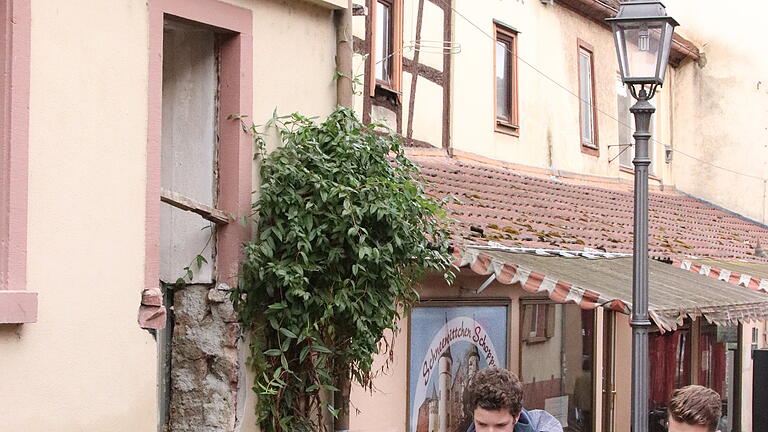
(447, 345)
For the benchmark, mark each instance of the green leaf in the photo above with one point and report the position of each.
(304, 353)
(321, 349)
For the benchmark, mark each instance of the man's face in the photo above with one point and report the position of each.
(494, 421)
(675, 426)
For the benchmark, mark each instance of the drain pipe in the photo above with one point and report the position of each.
(344, 50)
(345, 98)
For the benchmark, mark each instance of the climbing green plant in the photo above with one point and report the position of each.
(345, 231)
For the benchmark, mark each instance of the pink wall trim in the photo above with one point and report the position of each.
(16, 305)
(235, 147)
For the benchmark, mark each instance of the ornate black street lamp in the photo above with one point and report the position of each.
(643, 34)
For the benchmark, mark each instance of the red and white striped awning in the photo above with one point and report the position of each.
(508, 273)
(726, 271)
(592, 279)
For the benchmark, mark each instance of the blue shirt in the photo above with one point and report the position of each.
(533, 421)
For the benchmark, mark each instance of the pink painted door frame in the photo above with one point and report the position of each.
(17, 305)
(235, 146)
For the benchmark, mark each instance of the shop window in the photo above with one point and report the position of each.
(557, 370)
(386, 47)
(670, 364)
(626, 125)
(505, 61)
(587, 105)
(538, 322)
(715, 361)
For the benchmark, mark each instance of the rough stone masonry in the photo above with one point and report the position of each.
(204, 361)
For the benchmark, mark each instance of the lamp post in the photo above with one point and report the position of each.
(643, 35)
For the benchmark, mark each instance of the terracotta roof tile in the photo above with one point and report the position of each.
(523, 210)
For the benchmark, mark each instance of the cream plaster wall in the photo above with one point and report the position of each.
(747, 376)
(384, 408)
(431, 33)
(623, 378)
(721, 109)
(549, 111)
(406, 97)
(410, 10)
(86, 364)
(294, 46)
(431, 37)
(427, 112)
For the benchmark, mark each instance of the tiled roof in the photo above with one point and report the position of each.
(496, 204)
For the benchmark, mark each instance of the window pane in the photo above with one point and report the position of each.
(643, 45)
(556, 370)
(717, 364)
(503, 82)
(188, 147)
(383, 42)
(626, 123)
(651, 142)
(670, 364)
(585, 86)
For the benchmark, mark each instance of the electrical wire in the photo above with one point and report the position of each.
(595, 107)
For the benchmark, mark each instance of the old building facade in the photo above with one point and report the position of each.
(117, 150)
(516, 114)
(126, 168)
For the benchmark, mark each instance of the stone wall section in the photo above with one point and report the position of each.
(204, 361)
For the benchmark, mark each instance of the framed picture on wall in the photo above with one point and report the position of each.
(448, 341)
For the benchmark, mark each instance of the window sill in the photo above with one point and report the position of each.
(507, 128)
(590, 150)
(536, 340)
(385, 92)
(18, 307)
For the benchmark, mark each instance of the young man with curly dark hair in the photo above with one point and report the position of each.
(495, 399)
(694, 409)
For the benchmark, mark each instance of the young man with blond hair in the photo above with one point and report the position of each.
(694, 409)
(494, 397)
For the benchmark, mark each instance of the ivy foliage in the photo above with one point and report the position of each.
(345, 231)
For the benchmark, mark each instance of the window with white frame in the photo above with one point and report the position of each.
(587, 111)
(505, 59)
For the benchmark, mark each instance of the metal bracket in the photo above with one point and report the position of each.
(359, 10)
(486, 283)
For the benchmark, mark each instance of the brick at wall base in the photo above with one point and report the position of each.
(152, 313)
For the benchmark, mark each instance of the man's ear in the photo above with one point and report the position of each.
(517, 417)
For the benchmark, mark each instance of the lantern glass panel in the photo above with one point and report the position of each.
(642, 42)
(669, 31)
